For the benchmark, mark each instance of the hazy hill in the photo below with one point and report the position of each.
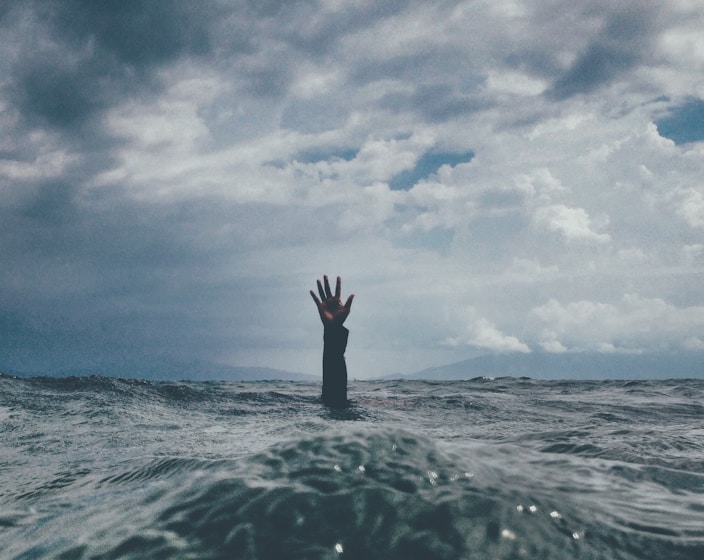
(538, 365)
(583, 365)
(173, 370)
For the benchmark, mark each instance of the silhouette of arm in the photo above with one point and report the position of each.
(334, 366)
(333, 314)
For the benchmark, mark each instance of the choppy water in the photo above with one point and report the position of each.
(505, 468)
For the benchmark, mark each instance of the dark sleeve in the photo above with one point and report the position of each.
(334, 367)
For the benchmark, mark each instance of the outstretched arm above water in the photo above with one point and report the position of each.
(333, 314)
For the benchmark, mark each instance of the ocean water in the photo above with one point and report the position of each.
(490, 468)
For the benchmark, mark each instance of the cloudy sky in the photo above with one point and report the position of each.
(486, 176)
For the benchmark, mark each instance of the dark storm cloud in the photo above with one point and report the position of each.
(622, 43)
(92, 279)
(437, 94)
(435, 102)
(314, 115)
(52, 202)
(140, 34)
(84, 56)
(85, 287)
(51, 220)
(269, 79)
(430, 64)
(61, 93)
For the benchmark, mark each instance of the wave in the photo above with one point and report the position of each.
(487, 468)
(366, 494)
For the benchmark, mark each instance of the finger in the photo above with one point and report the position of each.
(320, 290)
(348, 303)
(315, 298)
(328, 293)
(338, 287)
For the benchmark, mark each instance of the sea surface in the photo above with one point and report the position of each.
(96, 467)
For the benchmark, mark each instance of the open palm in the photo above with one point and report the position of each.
(332, 312)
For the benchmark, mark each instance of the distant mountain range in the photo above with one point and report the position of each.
(176, 371)
(582, 365)
(537, 365)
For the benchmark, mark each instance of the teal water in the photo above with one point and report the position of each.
(490, 468)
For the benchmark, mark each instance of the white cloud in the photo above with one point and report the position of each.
(540, 184)
(369, 214)
(634, 323)
(528, 270)
(514, 83)
(478, 332)
(549, 342)
(691, 206)
(487, 336)
(693, 343)
(693, 255)
(48, 163)
(573, 223)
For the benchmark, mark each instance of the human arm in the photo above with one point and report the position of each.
(333, 314)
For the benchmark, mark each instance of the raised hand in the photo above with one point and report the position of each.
(332, 312)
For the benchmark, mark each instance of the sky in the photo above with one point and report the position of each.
(485, 176)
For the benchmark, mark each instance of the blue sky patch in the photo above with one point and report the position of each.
(685, 123)
(428, 164)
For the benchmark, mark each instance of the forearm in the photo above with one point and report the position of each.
(334, 367)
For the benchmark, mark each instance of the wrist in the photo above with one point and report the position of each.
(335, 337)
